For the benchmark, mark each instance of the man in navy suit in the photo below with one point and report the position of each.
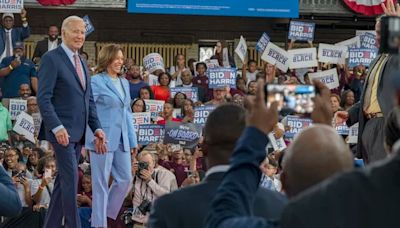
(10, 204)
(66, 103)
(10, 35)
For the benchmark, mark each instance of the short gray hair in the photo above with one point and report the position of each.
(70, 19)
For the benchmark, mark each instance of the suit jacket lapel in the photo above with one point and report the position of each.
(111, 86)
(71, 67)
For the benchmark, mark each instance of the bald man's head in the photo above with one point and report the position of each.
(316, 153)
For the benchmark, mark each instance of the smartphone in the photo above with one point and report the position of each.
(291, 98)
(47, 173)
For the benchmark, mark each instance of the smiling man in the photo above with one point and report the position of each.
(63, 75)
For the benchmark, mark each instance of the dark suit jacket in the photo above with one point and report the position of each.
(10, 204)
(385, 95)
(232, 205)
(18, 34)
(61, 98)
(361, 198)
(41, 47)
(189, 206)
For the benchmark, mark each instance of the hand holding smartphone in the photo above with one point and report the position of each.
(47, 173)
(291, 98)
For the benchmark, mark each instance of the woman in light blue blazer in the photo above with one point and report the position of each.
(112, 98)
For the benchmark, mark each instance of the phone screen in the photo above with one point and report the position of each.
(291, 98)
(47, 173)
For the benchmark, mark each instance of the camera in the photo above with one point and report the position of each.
(142, 166)
(126, 217)
(390, 35)
(144, 206)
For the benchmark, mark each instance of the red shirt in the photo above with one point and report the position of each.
(161, 93)
(163, 122)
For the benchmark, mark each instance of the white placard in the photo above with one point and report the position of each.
(16, 106)
(328, 77)
(362, 32)
(276, 56)
(153, 62)
(353, 134)
(11, 6)
(350, 43)
(241, 49)
(277, 144)
(153, 80)
(332, 54)
(25, 126)
(302, 58)
(37, 121)
(154, 106)
(140, 118)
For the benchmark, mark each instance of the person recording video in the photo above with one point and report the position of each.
(148, 185)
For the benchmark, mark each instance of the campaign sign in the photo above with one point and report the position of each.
(362, 32)
(296, 125)
(153, 80)
(368, 40)
(154, 107)
(11, 6)
(221, 77)
(302, 58)
(262, 43)
(328, 77)
(353, 134)
(241, 49)
(185, 134)
(37, 121)
(332, 54)
(192, 93)
(150, 133)
(361, 56)
(25, 126)
(276, 56)
(88, 25)
(201, 114)
(303, 31)
(16, 106)
(140, 118)
(153, 62)
(350, 43)
(342, 129)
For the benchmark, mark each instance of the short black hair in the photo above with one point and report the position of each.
(201, 63)
(251, 61)
(223, 128)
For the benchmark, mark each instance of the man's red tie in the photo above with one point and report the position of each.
(79, 71)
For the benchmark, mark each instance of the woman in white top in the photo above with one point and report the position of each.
(177, 70)
(42, 187)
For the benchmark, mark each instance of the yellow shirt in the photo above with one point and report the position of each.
(373, 106)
